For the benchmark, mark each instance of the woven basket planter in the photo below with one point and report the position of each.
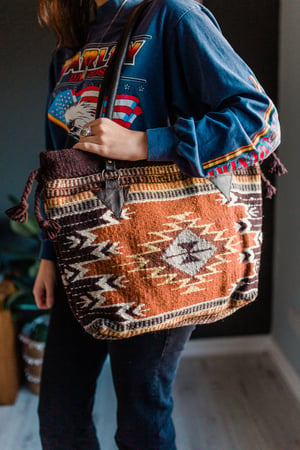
(33, 353)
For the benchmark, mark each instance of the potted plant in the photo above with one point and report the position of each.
(33, 337)
(19, 267)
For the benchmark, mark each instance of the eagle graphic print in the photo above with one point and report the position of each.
(75, 96)
(72, 110)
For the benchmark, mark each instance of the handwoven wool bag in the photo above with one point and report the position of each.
(144, 247)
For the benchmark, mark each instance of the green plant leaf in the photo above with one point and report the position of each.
(39, 333)
(20, 285)
(32, 225)
(28, 229)
(21, 297)
(20, 228)
(27, 307)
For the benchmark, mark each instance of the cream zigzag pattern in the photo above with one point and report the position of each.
(97, 301)
(119, 283)
(98, 247)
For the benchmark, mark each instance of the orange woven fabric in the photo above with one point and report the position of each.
(180, 254)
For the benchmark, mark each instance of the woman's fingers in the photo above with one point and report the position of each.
(101, 130)
(92, 147)
(44, 286)
(95, 128)
(40, 297)
(44, 297)
(111, 140)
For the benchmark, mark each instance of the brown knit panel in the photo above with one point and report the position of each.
(71, 163)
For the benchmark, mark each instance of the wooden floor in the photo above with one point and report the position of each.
(236, 402)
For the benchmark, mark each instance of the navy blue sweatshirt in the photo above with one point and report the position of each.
(182, 82)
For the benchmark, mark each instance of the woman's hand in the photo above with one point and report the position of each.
(43, 289)
(112, 141)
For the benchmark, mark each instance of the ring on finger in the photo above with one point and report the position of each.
(86, 131)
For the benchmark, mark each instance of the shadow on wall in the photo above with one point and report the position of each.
(25, 54)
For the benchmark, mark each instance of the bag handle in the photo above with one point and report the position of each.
(114, 196)
(113, 73)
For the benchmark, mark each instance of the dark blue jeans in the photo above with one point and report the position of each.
(143, 368)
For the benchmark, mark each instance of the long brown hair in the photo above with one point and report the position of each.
(68, 19)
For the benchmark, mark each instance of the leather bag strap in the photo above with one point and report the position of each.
(112, 75)
(114, 196)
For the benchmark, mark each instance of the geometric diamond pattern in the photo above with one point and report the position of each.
(188, 252)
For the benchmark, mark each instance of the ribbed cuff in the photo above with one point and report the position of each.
(47, 251)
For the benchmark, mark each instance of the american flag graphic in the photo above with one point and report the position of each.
(71, 110)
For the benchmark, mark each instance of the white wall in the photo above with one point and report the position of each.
(286, 314)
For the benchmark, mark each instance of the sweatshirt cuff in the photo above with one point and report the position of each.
(47, 251)
(161, 144)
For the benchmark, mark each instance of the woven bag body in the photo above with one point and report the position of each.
(180, 254)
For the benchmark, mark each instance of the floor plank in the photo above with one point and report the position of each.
(236, 402)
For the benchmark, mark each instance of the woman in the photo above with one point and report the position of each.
(184, 96)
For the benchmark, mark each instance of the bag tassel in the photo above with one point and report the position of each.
(277, 167)
(268, 189)
(19, 213)
(50, 227)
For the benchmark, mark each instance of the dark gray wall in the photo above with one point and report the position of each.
(286, 317)
(24, 57)
(251, 26)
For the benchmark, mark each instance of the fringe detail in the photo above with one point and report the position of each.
(50, 228)
(19, 213)
(277, 167)
(268, 189)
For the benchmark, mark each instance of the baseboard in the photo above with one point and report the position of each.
(247, 344)
(285, 368)
(227, 345)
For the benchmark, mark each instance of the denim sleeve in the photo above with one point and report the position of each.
(47, 250)
(225, 119)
